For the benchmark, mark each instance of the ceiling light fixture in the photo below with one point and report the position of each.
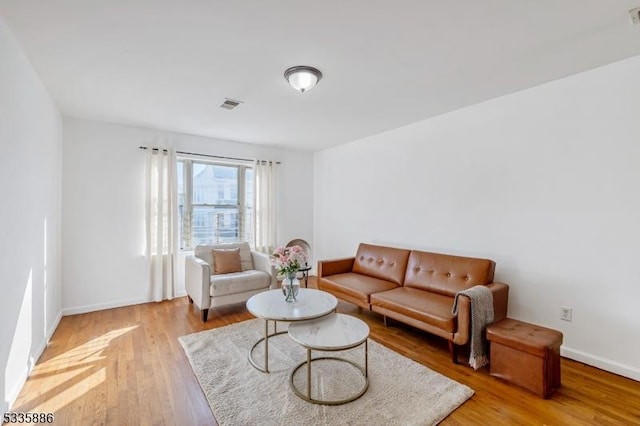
(302, 77)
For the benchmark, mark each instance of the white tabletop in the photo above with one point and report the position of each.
(331, 332)
(309, 304)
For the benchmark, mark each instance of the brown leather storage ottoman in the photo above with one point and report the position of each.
(525, 354)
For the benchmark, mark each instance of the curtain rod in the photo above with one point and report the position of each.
(205, 155)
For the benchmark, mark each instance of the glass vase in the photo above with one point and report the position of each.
(290, 287)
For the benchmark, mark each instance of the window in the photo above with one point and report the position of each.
(215, 203)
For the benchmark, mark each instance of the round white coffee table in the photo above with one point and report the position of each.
(271, 306)
(334, 332)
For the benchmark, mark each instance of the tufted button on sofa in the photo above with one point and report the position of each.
(414, 287)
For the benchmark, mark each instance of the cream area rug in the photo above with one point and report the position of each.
(401, 391)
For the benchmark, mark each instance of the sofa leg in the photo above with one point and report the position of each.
(453, 350)
(190, 299)
(205, 312)
(384, 319)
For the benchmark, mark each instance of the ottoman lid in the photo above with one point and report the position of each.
(525, 337)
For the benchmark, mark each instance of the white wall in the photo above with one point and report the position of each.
(103, 206)
(30, 167)
(544, 181)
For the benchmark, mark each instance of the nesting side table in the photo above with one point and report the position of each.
(334, 332)
(271, 306)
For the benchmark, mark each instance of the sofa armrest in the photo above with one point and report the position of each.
(262, 262)
(335, 266)
(500, 294)
(197, 281)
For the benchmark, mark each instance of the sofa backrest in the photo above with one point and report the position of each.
(386, 263)
(205, 253)
(446, 274)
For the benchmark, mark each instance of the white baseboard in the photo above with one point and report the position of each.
(601, 363)
(13, 393)
(54, 326)
(33, 359)
(103, 306)
(43, 345)
(111, 305)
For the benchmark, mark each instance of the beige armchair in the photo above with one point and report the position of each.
(206, 289)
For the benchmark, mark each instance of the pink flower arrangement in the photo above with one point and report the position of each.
(288, 260)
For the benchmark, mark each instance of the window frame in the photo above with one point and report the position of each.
(187, 241)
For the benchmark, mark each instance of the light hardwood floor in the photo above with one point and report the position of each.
(125, 366)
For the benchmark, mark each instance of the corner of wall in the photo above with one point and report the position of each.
(32, 122)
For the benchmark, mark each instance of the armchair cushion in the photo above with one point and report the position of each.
(205, 252)
(238, 282)
(212, 290)
(227, 261)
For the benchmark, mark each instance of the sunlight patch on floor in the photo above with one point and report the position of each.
(68, 395)
(70, 374)
(88, 352)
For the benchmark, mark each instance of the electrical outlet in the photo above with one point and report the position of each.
(566, 313)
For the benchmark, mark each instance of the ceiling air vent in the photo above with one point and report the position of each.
(230, 103)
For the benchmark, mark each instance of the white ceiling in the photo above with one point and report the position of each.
(169, 64)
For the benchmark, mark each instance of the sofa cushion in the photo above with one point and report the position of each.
(238, 282)
(355, 285)
(385, 263)
(227, 261)
(446, 274)
(430, 308)
(204, 252)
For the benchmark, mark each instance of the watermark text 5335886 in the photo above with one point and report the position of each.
(14, 417)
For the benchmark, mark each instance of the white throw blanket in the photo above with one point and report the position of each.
(481, 316)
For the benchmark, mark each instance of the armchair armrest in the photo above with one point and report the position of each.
(197, 281)
(335, 266)
(262, 262)
(500, 294)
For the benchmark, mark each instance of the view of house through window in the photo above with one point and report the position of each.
(215, 203)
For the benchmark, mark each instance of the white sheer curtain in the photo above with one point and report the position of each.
(161, 223)
(265, 220)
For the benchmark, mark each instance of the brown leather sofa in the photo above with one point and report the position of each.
(414, 287)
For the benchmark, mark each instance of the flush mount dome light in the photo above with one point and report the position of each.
(302, 77)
